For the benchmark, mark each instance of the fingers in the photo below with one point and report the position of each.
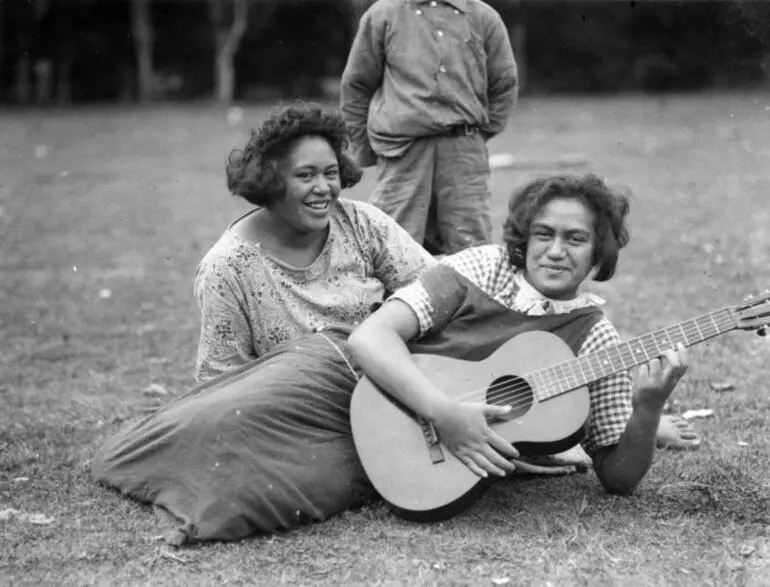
(487, 461)
(501, 464)
(678, 356)
(501, 445)
(495, 455)
(497, 442)
(490, 453)
(492, 412)
(653, 369)
(677, 364)
(469, 436)
(471, 464)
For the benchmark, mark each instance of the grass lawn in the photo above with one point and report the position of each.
(104, 214)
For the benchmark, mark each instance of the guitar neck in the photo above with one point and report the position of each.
(581, 371)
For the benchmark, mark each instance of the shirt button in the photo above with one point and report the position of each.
(440, 33)
(457, 12)
(442, 69)
(434, 3)
(418, 12)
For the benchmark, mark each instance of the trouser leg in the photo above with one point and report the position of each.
(461, 189)
(405, 185)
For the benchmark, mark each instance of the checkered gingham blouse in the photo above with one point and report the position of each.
(489, 269)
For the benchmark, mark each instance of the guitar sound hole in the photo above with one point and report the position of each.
(509, 390)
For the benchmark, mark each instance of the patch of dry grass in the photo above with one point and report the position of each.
(100, 237)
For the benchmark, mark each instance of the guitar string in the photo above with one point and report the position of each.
(515, 389)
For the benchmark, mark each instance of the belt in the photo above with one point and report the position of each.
(459, 130)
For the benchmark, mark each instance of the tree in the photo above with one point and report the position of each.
(229, 20)
(25, 39)
(755, 17)
(2, 52)
(142, 31)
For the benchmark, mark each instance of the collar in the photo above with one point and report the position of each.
(461, 5)
(530, 301)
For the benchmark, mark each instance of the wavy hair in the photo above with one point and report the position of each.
(254, 172)
(609, 207)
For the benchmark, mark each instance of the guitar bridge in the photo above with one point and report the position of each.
(430, 434)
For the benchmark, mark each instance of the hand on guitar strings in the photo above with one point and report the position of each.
(464, 430)
(655, 382)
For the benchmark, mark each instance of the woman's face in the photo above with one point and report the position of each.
(312, 178)
(560, 248)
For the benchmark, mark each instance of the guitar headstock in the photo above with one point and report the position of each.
(754, 313)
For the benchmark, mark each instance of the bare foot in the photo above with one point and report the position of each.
(676, 433)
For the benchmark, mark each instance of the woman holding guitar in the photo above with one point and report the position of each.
(560, 231)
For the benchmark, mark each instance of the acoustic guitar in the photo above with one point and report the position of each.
(536, 374)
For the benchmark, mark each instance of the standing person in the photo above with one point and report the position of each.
(426, 84)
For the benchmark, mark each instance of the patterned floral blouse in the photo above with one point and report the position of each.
(251, 302)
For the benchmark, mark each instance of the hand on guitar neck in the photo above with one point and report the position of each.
(655, 382)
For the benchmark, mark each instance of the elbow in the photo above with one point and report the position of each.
(358, 341)
(619, 484)
(368, 340)
(619, 489)
(615, 480)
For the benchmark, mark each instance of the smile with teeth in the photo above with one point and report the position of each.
(320, 205)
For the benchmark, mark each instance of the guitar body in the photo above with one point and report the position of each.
(417, 475)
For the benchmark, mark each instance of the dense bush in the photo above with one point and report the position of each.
(615, 46)
(289, 49)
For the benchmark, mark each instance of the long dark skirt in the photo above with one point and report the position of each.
(262, 449)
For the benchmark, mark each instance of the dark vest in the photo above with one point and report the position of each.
(479, 325)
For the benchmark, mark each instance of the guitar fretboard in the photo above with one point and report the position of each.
(569, 375)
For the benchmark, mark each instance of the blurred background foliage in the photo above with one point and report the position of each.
(64, 51)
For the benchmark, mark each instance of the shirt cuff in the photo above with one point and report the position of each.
(416, 297)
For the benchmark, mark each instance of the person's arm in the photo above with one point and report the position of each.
(226, 339)
(502, 77)
(360, 80)
(622, 466)
(379, 346)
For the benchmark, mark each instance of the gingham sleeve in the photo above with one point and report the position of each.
(481, 265)
(436, 297)
(441, 290)
(610, 397)
(416, 297)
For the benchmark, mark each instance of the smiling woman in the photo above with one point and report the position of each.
(303, 259)
(264, 443)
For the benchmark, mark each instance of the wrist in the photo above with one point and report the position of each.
(438, 407)
(648, 411)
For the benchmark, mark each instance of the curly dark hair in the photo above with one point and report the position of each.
(610, 209)
(253, 172)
